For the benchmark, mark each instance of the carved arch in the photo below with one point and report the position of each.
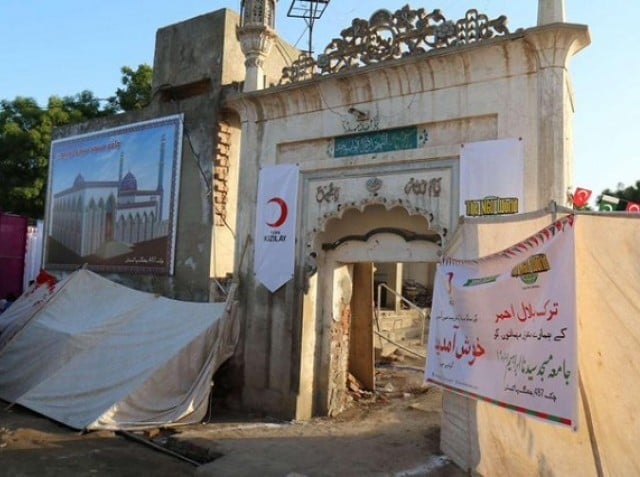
(341, 226)
(411, 210)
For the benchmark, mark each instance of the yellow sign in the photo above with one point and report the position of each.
(492, 206)
(535, 264)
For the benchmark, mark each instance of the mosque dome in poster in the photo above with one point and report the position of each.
(129, 183)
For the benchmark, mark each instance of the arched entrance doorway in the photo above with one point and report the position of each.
(352, 253)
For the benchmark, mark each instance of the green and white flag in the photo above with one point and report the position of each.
(608, 203)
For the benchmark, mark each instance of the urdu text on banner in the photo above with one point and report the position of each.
(504, 329)
(276, 225)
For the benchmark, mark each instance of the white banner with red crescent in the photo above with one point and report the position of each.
(276, 225)
(503, 328)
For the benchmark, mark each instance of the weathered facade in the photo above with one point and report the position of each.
(375, 126)
(193, 60)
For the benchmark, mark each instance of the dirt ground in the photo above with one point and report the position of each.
(392, 432)
(31, 445)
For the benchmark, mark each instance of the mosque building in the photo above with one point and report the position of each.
(91, 214)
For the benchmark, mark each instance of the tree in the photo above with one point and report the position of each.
(23, 161)
(25, 138)
(26, 130)
(626, 194)
(136, 93)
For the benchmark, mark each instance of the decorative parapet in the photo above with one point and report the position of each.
(388, 36)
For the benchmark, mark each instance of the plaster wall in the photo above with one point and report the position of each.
(489, 440)
(499, 88)
(191, 51)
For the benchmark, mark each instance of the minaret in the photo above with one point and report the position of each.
(121, 168)
(550, 11)
(160, 189)
(554, 43)
(256, 33)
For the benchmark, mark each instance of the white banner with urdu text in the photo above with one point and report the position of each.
(503, 327)
(276, 225)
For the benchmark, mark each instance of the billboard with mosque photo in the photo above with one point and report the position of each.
(113, 198)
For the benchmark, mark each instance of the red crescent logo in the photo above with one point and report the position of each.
(581, 197)
(284, 211)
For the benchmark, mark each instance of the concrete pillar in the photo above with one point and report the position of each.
(550, 11)
(396, 284)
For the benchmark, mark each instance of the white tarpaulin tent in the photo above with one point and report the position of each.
(93, 354)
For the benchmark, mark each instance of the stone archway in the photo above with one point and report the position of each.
(364, 235)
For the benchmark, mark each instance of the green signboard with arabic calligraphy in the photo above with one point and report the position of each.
(376, 141)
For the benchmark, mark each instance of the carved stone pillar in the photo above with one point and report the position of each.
(554, 46)
(550, 11)
(256, 36)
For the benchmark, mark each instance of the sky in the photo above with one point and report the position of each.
(63, 47)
